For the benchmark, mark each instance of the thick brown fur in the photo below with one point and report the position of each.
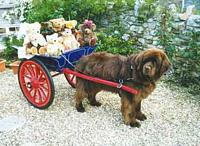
(143, 71)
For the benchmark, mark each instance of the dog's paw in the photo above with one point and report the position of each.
(80, 109)
(96, 103)
(135, 124)
(140, 116)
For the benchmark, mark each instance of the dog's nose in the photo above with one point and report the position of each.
(148, 68)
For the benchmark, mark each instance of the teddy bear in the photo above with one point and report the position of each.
(47, 28)
(69, 40)
(28, 28)
(70, 24)
(54, 46)
(86, 35)
(58, 24)
(33, 39)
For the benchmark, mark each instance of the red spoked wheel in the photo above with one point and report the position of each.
(36, 83)
(71, 79)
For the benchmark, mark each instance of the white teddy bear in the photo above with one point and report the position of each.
(69, 40)
(33, 40)
(32, 34)
(54, 45)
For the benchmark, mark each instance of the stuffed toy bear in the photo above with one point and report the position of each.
(70, 24)
(47, 28)
(54, 47)
(28, 28)
(69, 40)
(33, 39)
(58, 24)
(86, 36)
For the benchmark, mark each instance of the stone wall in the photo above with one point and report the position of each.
(147, 33)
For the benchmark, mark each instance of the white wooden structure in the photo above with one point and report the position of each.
(7, 27)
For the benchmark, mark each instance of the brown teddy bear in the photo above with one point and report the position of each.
(86, 35)
(58, 24)
(47, 28)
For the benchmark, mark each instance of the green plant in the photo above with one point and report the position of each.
(147, 10)
(186, 63)
(44, 10)
(114, 40)
(10, 53)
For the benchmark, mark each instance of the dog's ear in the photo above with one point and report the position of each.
(165, 64)
(136, 60)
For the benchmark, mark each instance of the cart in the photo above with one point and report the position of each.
(35, 75)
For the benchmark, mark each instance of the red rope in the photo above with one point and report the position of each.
(101, 81)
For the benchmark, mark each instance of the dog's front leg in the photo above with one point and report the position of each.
(139, 115)
(128, 112)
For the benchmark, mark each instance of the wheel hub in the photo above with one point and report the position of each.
(35, 83)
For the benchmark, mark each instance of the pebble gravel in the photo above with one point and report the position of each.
(173, 119)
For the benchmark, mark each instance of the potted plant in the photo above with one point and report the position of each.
(2, 65)
(15, 66)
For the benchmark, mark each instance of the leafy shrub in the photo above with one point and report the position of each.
(114, 40)
(147, 10)
(10, 53)
(73, 9)
(186, 61)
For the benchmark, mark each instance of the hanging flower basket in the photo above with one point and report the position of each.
(2, 65)
(15, 66)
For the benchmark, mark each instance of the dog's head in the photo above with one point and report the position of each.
(150, 64)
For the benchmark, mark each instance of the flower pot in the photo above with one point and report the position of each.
(15, 66)
(2, 65)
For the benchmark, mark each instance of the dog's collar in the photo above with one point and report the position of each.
(131, 67)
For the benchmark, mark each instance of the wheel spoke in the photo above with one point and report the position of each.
(26, 76)
(43, 82)
(44, 87)
(34, 94)
(31, 89)
(41, 77)
(40, 96)
(42, 91)
(28, 69)
(32, 70)
(38, 72)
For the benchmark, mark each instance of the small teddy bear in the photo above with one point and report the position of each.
(71, 24)
(85, 35)
(27, 28)
(54, 47)
(33, 40)
(47, 28)
(69, 40)
(58, 24)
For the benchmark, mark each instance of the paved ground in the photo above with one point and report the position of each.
(173, 119)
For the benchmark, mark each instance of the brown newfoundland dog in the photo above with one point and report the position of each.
(139, 71)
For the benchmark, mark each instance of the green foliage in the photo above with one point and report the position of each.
(44, 10)
(114, 40)
(147, 10)
(10, 53)
(186, 61)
